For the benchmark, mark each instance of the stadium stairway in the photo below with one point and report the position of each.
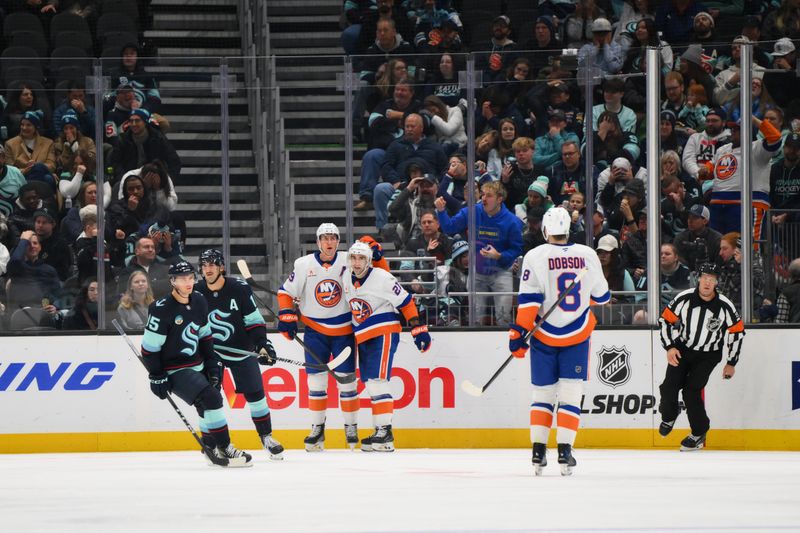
(188, 36)
(305, 38)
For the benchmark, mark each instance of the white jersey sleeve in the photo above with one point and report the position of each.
(374, 303)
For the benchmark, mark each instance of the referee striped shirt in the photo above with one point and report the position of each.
(691, 322)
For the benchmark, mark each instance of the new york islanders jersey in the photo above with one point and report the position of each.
(374, 301)
(174, 334)
(318, 287)
(546, 271)
(233, 316)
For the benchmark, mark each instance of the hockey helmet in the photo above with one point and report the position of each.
(709, 268)
(327, 228)
(360, 248)
(181, 268)
(556, 221)
(211, 256)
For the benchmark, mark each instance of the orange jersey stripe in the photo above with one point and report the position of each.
(736, 328)
(572, 340)
(669, 316)
(526, 316)
(317, 404)
(384, 367)
(541, 418)
(568, 421)
(378, 331)
(350, 406)
(327, 330)
(410, 310)
(383, 408)
(285, 301)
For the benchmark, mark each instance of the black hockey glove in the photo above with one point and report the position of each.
(159, 385)
(267, 351)
(214, 373)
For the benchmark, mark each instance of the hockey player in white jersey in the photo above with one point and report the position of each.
(375, 297)
(316, 284)
(560, 346)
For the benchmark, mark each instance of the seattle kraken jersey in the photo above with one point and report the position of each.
(317, 286)
(374, 301)
(233, 316)
(174, 334)
(546, 271)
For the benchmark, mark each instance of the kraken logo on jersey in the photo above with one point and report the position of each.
(220, 329)
(328, 293)
(191, 337)
(361, 310)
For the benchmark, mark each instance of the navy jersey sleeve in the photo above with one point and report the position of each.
(155, 335)
(254, 322)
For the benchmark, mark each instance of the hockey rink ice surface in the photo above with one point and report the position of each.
(406, 491)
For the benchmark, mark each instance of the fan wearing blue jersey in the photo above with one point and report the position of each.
(235, 322)
(178, 351)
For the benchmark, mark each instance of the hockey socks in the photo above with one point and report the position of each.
(382, 402)
(541, 421)
(569, 418)
(217, 427)
(348, 399)
(317, 397)
(259, 411)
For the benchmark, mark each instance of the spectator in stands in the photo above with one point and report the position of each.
(761, 102)
(453, 184)
(158, 184)
(751, 28)
(83, 315)
(789, 298)
(693, 114)
(21, 218)
(71, 225)
(611, 142)
(54, 249)
(578, 26)
(533, 236)
(386, 9)
(613, 91)
(494, 57)
(646, 36)
(144, 260)
(698, 244)
(774, 115)
(454, 280)
(675, 277)
(133, 304)
(675, 20)
(544, 47)
(548, 146)
(484, 145)
(32, 153)
(408, 206)
(517, 81)
(704, 29)
(142, 143)
(784, 183)
(517, 175)
(631, 12)
(783, 22)
(543, 99)
(498, 244)
(499, 156)
(784, 86)
(695, 67)
(672, 139)
(537, 197)
(125, 215)
(386, 125)
(5, 255)
(11, 180)
(634, 249)
(130, 72)
(75, 103)
(116, 118)
(613, 180)
(602, 53)
(443, 39)
(675, 205)
(444, 80)
(613, 270)
(623, 209)
(675, 90)
(72, 142)
(702, 146)
(31, 280)
(493, 107)
(21, 101)
(86, 256)
(727, 89)
(447, 124)
(576, 205)
(388, 75)
(568, 175)
(388, 44)
(429, 242)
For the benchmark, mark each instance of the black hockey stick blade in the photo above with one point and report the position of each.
(219, 461)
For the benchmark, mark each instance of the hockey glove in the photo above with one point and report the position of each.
(516, 340)
(287, 323)
(159, 385)
(421, 338)
(214, 373)
(267, 351)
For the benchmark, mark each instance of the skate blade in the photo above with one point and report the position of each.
(239, 462)
(538, 470)
(685, 449)
(319, 447)
(366, 448)
(352, 446)
(388, 447)
(566, 470)
(276, 456)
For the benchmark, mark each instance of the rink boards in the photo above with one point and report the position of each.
(88, 393)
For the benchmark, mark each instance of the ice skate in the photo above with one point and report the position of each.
(565, 459)
(351, 435)
(693, 442)
(380, 441)
(665, 428)
(274, 447)
(539, 459)
(236, 458)
(315, 442)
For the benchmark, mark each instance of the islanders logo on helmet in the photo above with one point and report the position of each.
(361, 310)
(328, 293)
(726, 166)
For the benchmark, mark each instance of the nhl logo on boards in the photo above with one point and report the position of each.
(614, 368)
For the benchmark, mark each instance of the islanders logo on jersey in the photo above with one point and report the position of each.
(361, 310)
(328, 293)
(726, 166)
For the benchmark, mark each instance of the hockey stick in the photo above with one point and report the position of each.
(219, 461)
(338, 360)
(472, 389)
(248, 277)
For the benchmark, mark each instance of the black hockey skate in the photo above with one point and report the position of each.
(380, 441)
(665, 428)
(274, 447)
(351, 435)
(539, 459)
(693, 442)
(236, 458)
(565, 459)
(315, 442)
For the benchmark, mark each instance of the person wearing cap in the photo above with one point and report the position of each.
(495, 56)
(72, 142)
(784, 183)
(116, 118)
(548, 146)
(602, 53)
(672, 138)
(407, 207)
(11, 180)
(675, 20)
(614, 272)
(613, 91)
(577, 26)
(727, 90)
(430, 242)
(698, 154)
(568, 175)
(542, 46)
(75, 101)
(543, 99)
(781, 81)
(613, 180)
(130, 72)
(141, 143)
(55, 250)
(623, 209)
(698, 243)
(31, 152)
(537, 197)
(704, 29)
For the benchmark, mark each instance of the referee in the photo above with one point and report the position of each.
(693, 328)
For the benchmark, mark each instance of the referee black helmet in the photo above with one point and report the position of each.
(709, 268)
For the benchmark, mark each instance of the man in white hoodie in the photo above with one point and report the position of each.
(698, 154)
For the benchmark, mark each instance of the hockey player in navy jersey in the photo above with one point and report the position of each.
(375, 297)
(178, 351)
(235, 321)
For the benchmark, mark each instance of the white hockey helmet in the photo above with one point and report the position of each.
(360, 248)
(327, 228)
(556, 222)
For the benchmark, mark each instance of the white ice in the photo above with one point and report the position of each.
(407, 491)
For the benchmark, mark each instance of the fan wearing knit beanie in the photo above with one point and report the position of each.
(537, 197)
(30, 152)
(70, 143)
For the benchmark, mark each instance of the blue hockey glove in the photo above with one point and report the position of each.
(516, 341)
(159, 385)
(421, 338)
(267, 351)
(214, 373)
(287, 323)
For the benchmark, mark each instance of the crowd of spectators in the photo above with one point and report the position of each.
(49, 242)
(531, 137)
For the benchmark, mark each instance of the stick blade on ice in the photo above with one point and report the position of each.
(244, 269)
(470, 388)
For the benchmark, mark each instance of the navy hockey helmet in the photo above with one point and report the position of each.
(211, 256)
(181, 268)
(709, 268)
